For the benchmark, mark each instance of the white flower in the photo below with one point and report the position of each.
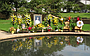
(61, 19)
(33, 31)
(79, 39)
(80, 23)
(61, 42)
(56, 30)
(18, 30)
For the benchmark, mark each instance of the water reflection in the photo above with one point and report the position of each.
(47, 46)
(79, 39)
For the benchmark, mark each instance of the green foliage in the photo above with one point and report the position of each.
(72, 24)
(50, 6)
(76, 7)
(88, 7)
(71, 5)
(5, 8)
(22, 10)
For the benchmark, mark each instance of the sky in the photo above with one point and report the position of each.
(87, 1)
(28, 0)
(74, 51)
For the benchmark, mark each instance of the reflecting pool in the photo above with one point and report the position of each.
(46, 46)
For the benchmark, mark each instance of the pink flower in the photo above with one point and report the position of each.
(29, 28)
(30, 37)
(78, 19)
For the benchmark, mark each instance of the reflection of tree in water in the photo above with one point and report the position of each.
(6, 48)
(87, 40)
(73, 41)
(44, 50)
(49, 50)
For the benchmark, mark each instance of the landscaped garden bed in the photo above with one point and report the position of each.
(55, 23)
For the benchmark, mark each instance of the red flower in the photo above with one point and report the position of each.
(69, 43)
(29, 28)
(30, 37)
(49, 29)
(77, 42)
(78, 19)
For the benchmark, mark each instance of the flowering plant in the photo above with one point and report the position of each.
(55, 21)
(40, 26)
(12, 29)
(13, 19)
(49, 28)
(28, 20)
(80, 23)
(29, 28)
(61, 19)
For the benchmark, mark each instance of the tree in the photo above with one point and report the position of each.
(6, 6)
(88, 7)
(50, 6)
(71, 6)
(76, 7)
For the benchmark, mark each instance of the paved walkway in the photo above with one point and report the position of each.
(5, 35)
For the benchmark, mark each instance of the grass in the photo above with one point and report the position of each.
(86, 27)
(82, 15)
(6, 24)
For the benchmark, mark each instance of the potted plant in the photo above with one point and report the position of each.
(12, 30)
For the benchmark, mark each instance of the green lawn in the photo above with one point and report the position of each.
(6, 24)
(84, 15)
(86, 27)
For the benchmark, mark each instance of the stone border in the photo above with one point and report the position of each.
(14, 36)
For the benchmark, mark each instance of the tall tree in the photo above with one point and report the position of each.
(71, 6)
(74, 0)
(6, 6)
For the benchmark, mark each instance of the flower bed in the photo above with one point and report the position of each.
(50, 23)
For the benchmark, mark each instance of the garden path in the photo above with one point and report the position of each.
(3, 34)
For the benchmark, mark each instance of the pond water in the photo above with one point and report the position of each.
(46, 46)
